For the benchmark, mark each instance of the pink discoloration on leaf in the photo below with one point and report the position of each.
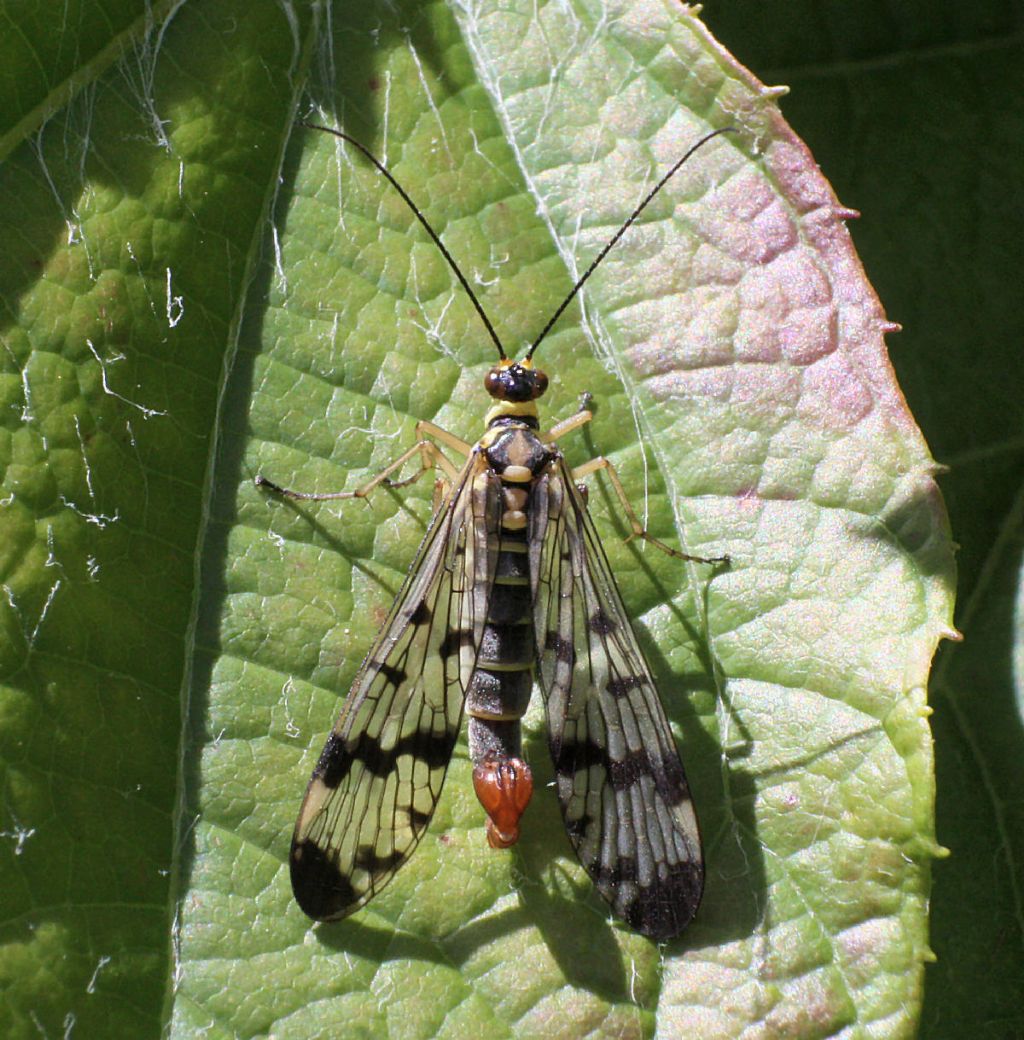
(835, 381)
(748, 222)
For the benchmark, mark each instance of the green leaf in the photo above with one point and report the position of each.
(914, 110)
(134, 219)
(196, 290)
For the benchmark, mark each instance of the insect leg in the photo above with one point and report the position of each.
(639, 531)
(430, 456)
(560, 429)
(583, 415)
(426, 429)
(442, 487)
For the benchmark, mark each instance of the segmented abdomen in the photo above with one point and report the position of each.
(499, 691)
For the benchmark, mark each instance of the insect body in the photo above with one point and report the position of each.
(509, 586)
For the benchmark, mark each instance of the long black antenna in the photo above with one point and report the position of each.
(430, 231)
(622, 230)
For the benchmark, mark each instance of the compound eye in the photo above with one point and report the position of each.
(494, 384)
(540, 383)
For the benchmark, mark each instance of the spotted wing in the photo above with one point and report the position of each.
(624, 796)
(379, 776)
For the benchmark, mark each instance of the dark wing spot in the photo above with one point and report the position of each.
(669, 779)
(601, 623)
(454, 640)
(626, 771)
(622, 685)
(577, 829)
(434, 751)
(667, 774)
(421, 615)
(320, 888)
(395, 676)
(663, 909)
(333, 764)
(367, 859)
(570, 756)
(418, 819)
(610, 877)
(563, 648)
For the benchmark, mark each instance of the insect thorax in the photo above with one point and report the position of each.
(514, 451)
